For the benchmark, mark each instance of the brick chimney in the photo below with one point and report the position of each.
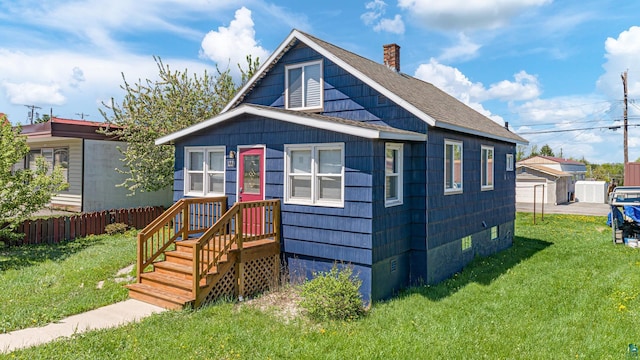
(392, 56)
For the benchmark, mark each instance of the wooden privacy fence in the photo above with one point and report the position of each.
(56, 229)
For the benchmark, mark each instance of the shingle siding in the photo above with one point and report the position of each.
(451, 217)
(389, 247)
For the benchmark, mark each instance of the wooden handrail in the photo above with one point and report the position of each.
(186, 217)
(244, 222)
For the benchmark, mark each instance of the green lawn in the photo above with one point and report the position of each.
(40, 284)
(563, 291)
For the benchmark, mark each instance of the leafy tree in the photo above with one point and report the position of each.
(520, 152)
(42, 119)
(22, 191)
(534, 151)
(546, 150)
(154, 108)
(607, 172)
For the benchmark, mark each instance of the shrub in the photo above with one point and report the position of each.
(8, 237)
(116, 228)
(333, 295)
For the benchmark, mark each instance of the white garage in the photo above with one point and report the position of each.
(533, 180)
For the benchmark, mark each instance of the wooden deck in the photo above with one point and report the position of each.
(222, 261)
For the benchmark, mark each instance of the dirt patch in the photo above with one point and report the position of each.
(284, 303)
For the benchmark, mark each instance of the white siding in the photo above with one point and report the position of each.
(72, 197)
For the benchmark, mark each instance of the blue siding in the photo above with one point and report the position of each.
(326, 234)
(451, 217)
(345, 96)
(389, 247)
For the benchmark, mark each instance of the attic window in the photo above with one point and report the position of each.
(304, 86)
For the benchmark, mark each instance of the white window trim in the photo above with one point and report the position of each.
(484, 166)
(444, 157)
(399, 148)
(205, 170)
(509, 161)
(314, 148)
(286, 85)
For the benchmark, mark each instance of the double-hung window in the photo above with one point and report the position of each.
(304, 86)
(452, 166)
(314, 174)
(204, 171)
(486, 169)
(53, 157)
(393, 159)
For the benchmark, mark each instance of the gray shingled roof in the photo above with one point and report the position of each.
(331, 123)
(339, 120)
(447, 111)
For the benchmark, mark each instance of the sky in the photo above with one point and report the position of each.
(543, 66)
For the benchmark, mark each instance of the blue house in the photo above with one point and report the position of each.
(372, 167)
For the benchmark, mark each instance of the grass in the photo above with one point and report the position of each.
(562, 291)
(40, 284)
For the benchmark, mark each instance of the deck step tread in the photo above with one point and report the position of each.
(174, 281)
(160, 293)
(179, 268)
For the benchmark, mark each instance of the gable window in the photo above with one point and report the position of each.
(452, 166)
(204, 171)
(314, 174)
(304, 86)
(509, 165)
(393, 160)
(486, 163)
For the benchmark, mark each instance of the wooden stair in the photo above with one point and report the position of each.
(169, 285)
(233, 258)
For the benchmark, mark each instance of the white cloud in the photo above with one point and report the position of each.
(454, 82)
(395, 25)
(374, 17)
(467, 14)
(376, 9)
(61, 78)
(97, 20)
(32, 93)
(525, 87)
(622, 54)
(230, 45)
(465, 49)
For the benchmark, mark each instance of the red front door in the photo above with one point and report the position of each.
(251, 187)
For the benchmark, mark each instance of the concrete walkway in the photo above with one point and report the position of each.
(105, 317)
(576, 208)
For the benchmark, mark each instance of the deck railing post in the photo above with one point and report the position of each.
(239, 236)
(186, 222)
(140, 248)
(196, 273)
(276, 221)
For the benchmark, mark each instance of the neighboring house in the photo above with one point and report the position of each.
(374, 168)
(576, 169)
(88, 161)
(541, 184)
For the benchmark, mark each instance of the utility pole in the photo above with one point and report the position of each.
(82, 115)
(31, 113)
(626, 126)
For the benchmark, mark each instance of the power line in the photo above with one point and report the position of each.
(614, 127)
